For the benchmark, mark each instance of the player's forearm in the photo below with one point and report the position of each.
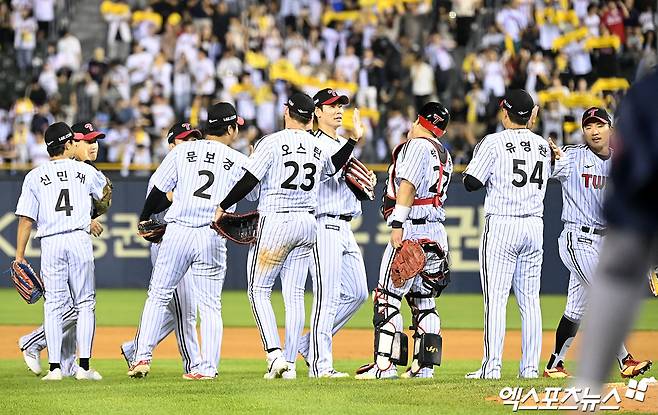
(22, 235)
(343, 154)
(241, 189)
(404, 199)
(156, 202)
(471, 183)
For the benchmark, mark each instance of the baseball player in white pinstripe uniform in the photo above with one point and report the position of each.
(583, 171)
(181, 312)
(289, 165)
(416, 191)
(56, 196)
(514, 166)
(337, 269)
(201, 172)
(85, 149)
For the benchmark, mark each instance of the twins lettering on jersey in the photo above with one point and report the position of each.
(597, 182)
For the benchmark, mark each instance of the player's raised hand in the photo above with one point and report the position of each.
(533, 117)
(556, 153)
(373, 178)
(358, 126)
(396, 237)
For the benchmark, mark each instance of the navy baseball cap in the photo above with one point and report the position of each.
(182, 131)
(434, 117)
(85, 131)
(329, 96)
(519, 103)
(301, 104)
(58, 134)
(221, 114)
(596, 114)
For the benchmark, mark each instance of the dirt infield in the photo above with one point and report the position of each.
(349, 343)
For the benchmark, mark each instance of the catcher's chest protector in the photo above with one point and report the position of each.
(389, 197)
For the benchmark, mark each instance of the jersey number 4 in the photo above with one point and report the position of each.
(309, 174)
(535, 177)
(64, 202)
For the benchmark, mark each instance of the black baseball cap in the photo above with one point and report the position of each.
(58, 134)
(301, 104)
(596, 114)
(221, 114)
(85, 131)
(434, 117)
(329, 96)
(182, 131)
(519, 103)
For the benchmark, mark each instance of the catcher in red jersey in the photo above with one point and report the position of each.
(414, 264)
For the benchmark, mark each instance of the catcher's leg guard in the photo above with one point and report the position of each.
(391, 346)
(429, 352)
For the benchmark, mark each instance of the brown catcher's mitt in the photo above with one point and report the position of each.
(103, 204)
(152, 230)
(239, 228)
(359, 180)
(28, 283)
(653, 281)
(408, 261)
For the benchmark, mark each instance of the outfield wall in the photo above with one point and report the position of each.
(122, 258)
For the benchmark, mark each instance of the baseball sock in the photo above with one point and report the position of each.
(564, 335)
(622, 354)
(54, 366)
(84, 363)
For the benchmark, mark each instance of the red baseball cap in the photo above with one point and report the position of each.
(85, 131)
(329, 96)
(182, 131)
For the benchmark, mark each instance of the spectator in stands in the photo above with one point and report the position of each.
(25, 38)
(44, 11)
(613, 17)
(69, 50)
(182, 87)
(511, 21)
(117, 15)
(422, 77)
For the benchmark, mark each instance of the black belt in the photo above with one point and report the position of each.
(312, 212)
(346, 218)
(418, 221)
(600, 232)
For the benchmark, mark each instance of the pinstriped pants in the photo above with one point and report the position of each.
(203, 253)
(67, 268)
(283, 248)
(339, 289)
(579, 252)
(511, 254)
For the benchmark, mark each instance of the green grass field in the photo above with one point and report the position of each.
(240, 387)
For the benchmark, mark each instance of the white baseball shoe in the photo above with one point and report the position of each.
(334, 374)
(291, 373)
(371, 371)
(90, 374)
(53, 375)
(140, 369)
(276, 365)
(423, 373)
(32, 360)
(478, 375)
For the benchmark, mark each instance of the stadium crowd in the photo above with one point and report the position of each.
(166, 60)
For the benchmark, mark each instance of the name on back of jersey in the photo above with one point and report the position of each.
(62, 176)
(208, 157)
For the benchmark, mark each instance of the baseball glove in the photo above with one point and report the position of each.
(103, 204)
(152, 230)
(653, 281)
(408, 261)
(359, 179)
(239, 228)
(28, 283)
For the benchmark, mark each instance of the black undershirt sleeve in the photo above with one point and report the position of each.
(471, 183)
(156, 202)
(241, 189)
(343, 154)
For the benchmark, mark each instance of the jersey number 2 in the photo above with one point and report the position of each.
(535, 177)
(310, 176)
(64, 202)
(200, 191)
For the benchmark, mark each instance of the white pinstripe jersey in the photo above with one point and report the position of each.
(583, 176)
(418, 163)
(334, 197)
(514, 166)
(203, 172)
(56, 196)
(289, 165)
